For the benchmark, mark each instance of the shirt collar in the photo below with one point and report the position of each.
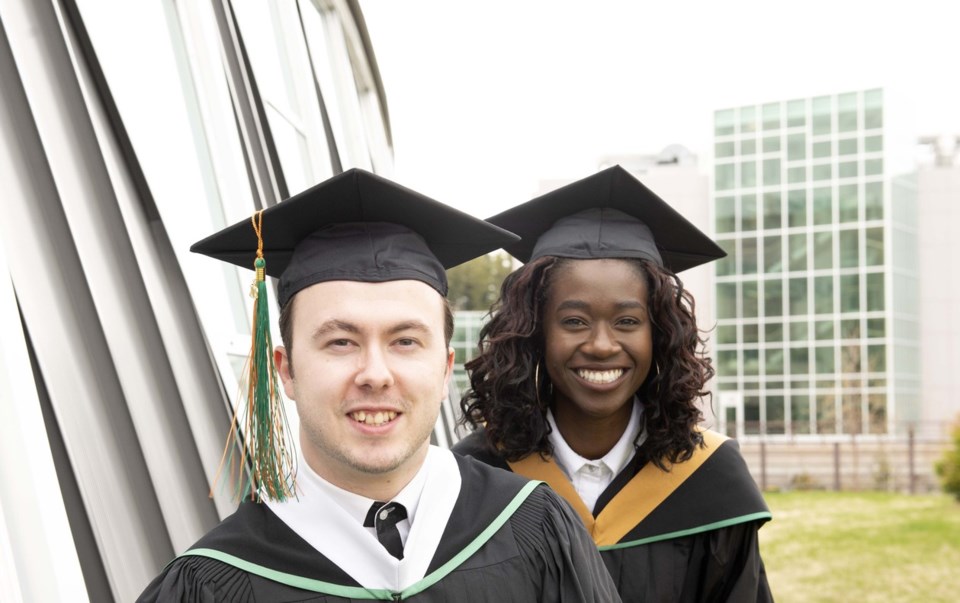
(616, 459)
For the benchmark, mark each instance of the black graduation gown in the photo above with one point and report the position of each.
(539, 553)
(685, 535)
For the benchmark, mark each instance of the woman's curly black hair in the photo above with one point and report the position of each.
(503, 378)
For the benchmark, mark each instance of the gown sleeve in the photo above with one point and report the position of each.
(557, 547)
(199, 580)
(733, 570)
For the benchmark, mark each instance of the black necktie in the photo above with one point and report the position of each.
(385, 517)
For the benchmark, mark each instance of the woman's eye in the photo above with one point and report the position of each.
(572, 322)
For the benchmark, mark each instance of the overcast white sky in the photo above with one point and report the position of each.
(488, 98)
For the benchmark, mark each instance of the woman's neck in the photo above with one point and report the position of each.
(591, 437)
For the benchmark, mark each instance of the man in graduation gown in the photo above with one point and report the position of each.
(376, 513)
(589, 376)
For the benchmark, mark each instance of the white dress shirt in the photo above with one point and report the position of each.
(591, 477)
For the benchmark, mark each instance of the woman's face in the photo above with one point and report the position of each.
(598, 337)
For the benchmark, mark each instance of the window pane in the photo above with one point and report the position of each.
(876, 358)
(799, 331)
(798, 251)
(727, 265)
(799, 361)
(773, 332)
(774, 361)
(751, 362)
(726, 217)
(751, 333)
(773, 254)
(798, 296)
(822, 172)
(723, 122)
(726, 334)
(771, 144)
(822, 206)
(748, 174)
(771, 172)
(724, 176)
(823, 250)
(748, 147)
(748, 119)
(797, 208)
(821, 149)
(823, 295)
(775, 414)
(852, 413)
(876, 327)
(826, 414)
(849, 293)
(824, 329)
(872, 144)
(821, 115)
(875, 299)
(877, 408)
(723, 149)
(726, 300)
(771, 116)
(748, 255)
(773, 300)
(796, 147)
(772, 214)
(847, 146)
(849, 248)
(750, 299)
(847, 201)
(796, 175)
(825, 360)
(847, 112)
(748, 212)
(873, 109)
(847, 169)
(873, 167)
(751, 414)
(727, 363)
(873, 200)
(800, 413)
(874, 247)
(796, 113)
(850, 328)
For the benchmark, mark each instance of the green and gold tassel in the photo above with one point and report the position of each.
(265, 427)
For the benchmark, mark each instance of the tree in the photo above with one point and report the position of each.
(475, 285)
(948, 468)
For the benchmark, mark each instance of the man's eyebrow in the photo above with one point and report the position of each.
(409, 325)
(332, 325)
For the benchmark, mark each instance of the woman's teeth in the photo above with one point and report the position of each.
(600, 377)
(373, 418)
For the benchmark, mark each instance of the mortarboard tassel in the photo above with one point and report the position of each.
(265, 426)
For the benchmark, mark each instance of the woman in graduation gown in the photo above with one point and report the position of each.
(589, 376)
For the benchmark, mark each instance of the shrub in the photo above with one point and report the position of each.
(948, 467)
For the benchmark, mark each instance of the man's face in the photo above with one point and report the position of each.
(369, 370)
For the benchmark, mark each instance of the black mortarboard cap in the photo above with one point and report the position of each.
(357, 226)
(610, 214)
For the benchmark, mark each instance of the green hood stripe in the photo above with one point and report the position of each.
(697, 530)
(359, 592)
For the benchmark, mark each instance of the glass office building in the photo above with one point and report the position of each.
(816, 303)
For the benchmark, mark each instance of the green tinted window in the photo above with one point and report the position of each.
(800, 413)
(873, 167)
(773, 254)
(822, 172)
(847, 146)
(798, 331)
(723, 149)
(727, 363)
(774, 361)
(874, 247)
(796, 147)
(750, 333)
(750, 299)
(826, 413)
(798, 251)
(873, 109)
(773, 331)
(726, 214)
(798, 296)
(771, 144)
(823, 250)
(876, 358)
(876, 327)
(748, 255)
(799, 361)
(748, 119)
(872, 144)
(751, 362)
(748, 147)
(726, 300)
(748, 212)
(775, 421)
(822, 149)
(796, 113)
(825, 360)
(748, 174)
(773, 301)
(824, 329)
(847, 112)
(849, 248)
(850, 328)
(726, 334)
(727, 265)
(822, 115)
(849, 293)
(723, 122)
(852, 413)
(822, 206)
(875, 291)
(877, 413)
(823, 296)
(771, 172)
(796, 175)
(772, 214)
(847, 202)
(873, 200)
(771, 116)
(847, 169)
(797, 207)
(724, 176)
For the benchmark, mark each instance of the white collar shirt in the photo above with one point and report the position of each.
(591, 477)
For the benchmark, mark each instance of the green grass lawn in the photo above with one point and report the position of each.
(862, 546)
